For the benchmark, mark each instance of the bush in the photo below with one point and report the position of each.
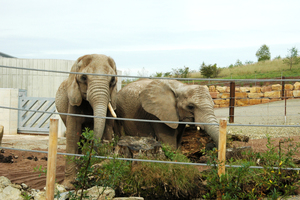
(209, 71)
(175, 181)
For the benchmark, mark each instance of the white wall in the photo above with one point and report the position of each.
(9, 117)
(37, 84)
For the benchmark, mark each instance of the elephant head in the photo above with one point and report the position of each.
(171, 100)
(99, 91)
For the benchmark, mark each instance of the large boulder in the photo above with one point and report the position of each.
(297, 86)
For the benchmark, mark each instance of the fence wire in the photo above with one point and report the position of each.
(156, 121)
(146, 120)
(152, 161)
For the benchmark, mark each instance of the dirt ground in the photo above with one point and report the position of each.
(19, 166)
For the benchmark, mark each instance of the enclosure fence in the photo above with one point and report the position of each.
(159, 121)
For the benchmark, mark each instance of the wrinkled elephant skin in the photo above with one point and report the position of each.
(165, 100)
(87, 94)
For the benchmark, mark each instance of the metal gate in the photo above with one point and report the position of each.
(31, 121)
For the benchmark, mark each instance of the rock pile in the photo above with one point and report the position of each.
(245, 96)
(12, 191)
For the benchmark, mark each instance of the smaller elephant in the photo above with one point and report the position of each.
(87, 94)
(165, 100)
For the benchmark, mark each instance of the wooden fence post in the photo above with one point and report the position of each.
(222, 150)
(52, 155)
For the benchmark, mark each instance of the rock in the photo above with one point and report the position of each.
(288, 87)
(221, 89)
(296, 93)
(4, 182)
(236, 152)
(254, 101)
(212, 88)
(255, 95)
(40, 196)
(244, 89)
(240, 95)
(225, 95)
(273, 94)
(134, 147)
(222, 102)
(277, 87)
(242, 102)
(265, 100)
(11, 193)
(266, 89)
(94, 192)
(24, 186)
(297, 86)
(214, 95)
(255, 90)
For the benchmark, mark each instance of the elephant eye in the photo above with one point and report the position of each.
(191, 107)
(83, 77)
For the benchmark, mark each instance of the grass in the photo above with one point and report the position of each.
(260, 70)
(173, 181)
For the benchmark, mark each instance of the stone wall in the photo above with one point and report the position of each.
(245, 96)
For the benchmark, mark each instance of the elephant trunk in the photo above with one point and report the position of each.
(211, 130)
(98, 96)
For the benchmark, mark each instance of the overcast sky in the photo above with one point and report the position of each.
(149, 36)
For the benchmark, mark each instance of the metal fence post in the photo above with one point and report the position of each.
(231, 102)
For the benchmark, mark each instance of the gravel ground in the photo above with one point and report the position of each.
(264, 114)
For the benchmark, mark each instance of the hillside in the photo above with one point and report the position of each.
(265, 69)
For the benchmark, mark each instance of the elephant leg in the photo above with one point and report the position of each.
(73, 133)
(165, 134)
(180, 131)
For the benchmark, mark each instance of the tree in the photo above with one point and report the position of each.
(238, 63)
(184, 72)
(158, 74)
(263, 53)
(209, 71)
(181, 72)
(292, 58)
(175, 72)
(167, 74)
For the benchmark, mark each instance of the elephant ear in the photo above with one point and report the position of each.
(113, 84)
(74, 95)
(158, 98)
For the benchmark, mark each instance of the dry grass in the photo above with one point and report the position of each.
(264, 69)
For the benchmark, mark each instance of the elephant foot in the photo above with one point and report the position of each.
(68, 185)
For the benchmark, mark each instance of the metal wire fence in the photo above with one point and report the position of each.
(159, 121)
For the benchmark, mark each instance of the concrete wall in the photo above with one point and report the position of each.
(37, 84)
(9, 117)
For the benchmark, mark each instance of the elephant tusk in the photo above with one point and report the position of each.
(112, 110)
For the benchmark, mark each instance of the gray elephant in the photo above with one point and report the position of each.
(87, 95)
(165, 100)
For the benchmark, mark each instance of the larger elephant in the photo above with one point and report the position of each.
(165, 100)
(87, 94)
